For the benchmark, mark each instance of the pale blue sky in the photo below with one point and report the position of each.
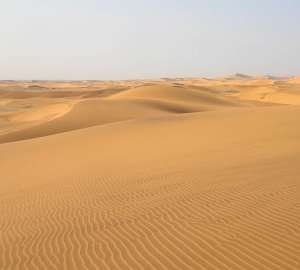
(128, 39)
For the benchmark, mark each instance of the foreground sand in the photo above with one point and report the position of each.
(185, 174)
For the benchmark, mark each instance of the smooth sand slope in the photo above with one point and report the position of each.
(136, 103)
(150, 178)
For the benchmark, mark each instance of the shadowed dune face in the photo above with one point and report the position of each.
(168, 174)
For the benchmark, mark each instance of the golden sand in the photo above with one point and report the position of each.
(167, 174)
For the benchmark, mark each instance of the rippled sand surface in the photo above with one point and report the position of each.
(167, 174)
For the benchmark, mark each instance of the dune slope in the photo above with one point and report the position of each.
(207, 190)
(135, 103)
(176, 93)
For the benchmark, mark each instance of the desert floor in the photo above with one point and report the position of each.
(167, 174)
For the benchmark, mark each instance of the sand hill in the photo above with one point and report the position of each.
(183, 174)
(237, 76)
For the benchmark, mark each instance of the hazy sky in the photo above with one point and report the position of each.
(127, 39)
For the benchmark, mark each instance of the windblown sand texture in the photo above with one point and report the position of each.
(180, 174)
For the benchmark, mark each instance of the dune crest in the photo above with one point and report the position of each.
(44, 113)
(135, 103)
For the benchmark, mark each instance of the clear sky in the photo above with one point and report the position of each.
(128, 39)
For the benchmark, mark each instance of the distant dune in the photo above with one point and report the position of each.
(237, 76)
(295, 80)
(176, 94)
(168, 174)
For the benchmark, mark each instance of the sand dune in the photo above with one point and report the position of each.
(175, 93)
(294, 80)
(95, 112)
(44, 113)
(237, 77)
(153, 177)
(141, 102)
(273, 94)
